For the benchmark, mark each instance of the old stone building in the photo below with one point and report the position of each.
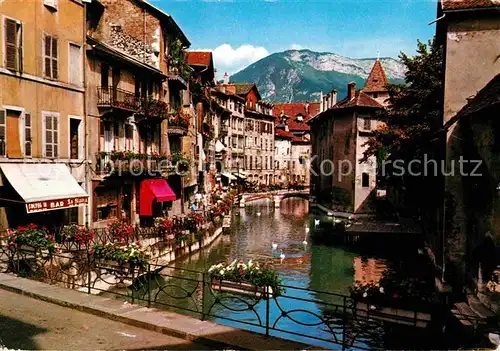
(339, 132)
(135, 109)
(294, 117)
(466, 251)
(255, 138)
(42, 115)
(207, 120)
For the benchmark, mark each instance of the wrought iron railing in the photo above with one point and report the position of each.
(306, 315)
(119, 98)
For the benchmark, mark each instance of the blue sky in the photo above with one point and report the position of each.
(242, 32)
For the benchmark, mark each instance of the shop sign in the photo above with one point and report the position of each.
(49, 205)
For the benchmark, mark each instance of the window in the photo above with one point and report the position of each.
(27, 135)
(367, 124)
(75, 64)
(129, 137)
(50, 57)
(13, 32)
(3, 134)
(365, 180)
(75, 141)
(13, 130)
(105, 77)
(375, 95)
(50, 3)
(51, 135)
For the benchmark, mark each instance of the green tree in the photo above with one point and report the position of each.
(414, 114)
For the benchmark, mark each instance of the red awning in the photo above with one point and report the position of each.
(154, 190)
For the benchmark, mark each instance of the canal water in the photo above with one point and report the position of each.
(311, 267)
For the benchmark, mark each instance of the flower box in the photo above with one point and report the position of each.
(241, 288)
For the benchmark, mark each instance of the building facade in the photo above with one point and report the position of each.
(136, 120)
(295, 117)
(42, 114)
(467, 249)
(339, 132)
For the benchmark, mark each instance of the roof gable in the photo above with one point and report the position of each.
(199, 58)
(377, 80)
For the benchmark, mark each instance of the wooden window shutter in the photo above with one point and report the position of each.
(11, 44)
(47, 60)
(55, 72)
(27, 135)
(2, 133)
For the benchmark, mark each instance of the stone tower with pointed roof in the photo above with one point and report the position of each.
(375, 85)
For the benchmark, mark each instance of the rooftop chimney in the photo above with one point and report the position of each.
(351, 90)
(225, 79)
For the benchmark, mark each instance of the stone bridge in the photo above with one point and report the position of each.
(275, 196)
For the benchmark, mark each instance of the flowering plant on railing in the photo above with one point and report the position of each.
(238, 271)
(164, 224)
(122, 253)
(31, 235)
(178, 120)
(153, 108)
(366, 291)
(120, 230)
(78, 233)
(193, 221)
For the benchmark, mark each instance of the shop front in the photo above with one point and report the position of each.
(43, 194)
(155, 196)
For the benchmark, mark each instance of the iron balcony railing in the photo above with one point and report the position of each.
(311, 316)
(118, 98)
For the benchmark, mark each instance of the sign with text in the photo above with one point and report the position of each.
(49, 205)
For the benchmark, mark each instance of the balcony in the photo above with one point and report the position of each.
(178, 124)
(117, 98)
(124, 100)
(175, 79)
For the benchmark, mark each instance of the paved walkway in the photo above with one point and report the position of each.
(168, 323)
(30, 324)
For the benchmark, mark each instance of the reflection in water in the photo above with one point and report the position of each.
(316, 267)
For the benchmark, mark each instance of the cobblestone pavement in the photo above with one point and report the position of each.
(29, 324)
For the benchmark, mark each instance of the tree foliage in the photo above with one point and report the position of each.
(414, 113)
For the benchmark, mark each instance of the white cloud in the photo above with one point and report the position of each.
(231, 60)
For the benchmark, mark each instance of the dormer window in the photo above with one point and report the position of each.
(300, 118)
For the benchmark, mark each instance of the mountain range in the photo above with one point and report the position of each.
(301, 75)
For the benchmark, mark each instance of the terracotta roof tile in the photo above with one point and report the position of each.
(377, 79)
(294, 109)
(359, 100)
(243, 88)
(283, 134)
(450, 5)
(199, 58)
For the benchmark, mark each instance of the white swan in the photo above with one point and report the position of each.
(282, 255)
(316, 222)
(258, 214)
(274, 245)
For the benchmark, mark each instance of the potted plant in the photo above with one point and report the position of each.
(125, 256)
(31, 238)
(79, 234)
(245, 278)
(120, 230)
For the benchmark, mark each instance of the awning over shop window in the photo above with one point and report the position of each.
(44, 187)
(228, 176)
(154, 190)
